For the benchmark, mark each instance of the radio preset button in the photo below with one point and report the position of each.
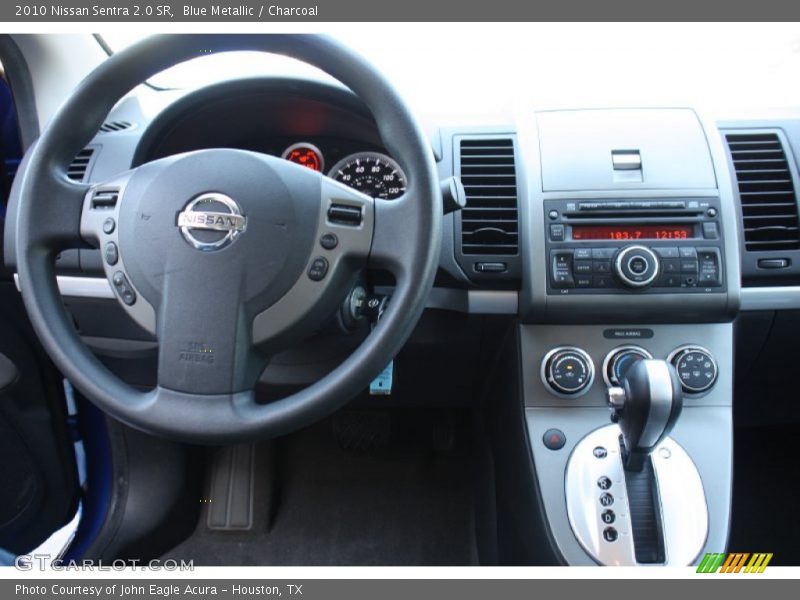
(667, 251)
(603, 253)
(601, 266)
(671, 266)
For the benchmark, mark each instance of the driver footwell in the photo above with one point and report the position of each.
(401, 487)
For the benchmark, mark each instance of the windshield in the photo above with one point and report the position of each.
(475, 69)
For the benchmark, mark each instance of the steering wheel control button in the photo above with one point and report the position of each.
(606, 499)
(608, 516)
(610, 534)
(329, 241)
(109, 225)
(636, 266)
(696, 368)
(604, 483)
(600, 452)
(554, 439)
(123, 287)
(318, 269)
(342, 214)
(111, 254)
(567, 371)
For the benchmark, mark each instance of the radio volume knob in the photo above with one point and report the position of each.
(636, 266)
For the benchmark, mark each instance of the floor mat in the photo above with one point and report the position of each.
(766, 494)
(396, 490)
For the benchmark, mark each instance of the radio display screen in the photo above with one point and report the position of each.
(632, 232)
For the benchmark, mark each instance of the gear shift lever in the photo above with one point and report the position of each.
(646, 406)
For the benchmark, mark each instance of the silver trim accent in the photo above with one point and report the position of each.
(684, 509)
(661, 401)
(546, 373)
(609, 362)
(627, 280)
(770, 298)
(80, 287)
(675, 355)
(489, 302)
(232, 223)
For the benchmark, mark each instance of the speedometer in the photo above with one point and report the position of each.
(372, 173)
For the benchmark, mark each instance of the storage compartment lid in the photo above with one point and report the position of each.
(658, 149)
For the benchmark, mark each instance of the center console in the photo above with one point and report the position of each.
(631, 283)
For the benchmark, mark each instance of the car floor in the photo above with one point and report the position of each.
(363, 488)
(766, 493)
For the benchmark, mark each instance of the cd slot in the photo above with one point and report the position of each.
(632, 214)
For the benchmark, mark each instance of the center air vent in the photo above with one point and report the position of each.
(80, 164)
(766, 190)
(489, 223)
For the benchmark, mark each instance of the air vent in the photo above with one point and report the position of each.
(766, 189)
(489, 223)
(113, 126)
(78, 167)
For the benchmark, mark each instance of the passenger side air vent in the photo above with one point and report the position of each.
(766, 190)
(113, 126)
(80, 164)
(489, 223)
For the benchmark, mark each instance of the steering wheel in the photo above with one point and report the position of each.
(227, 256)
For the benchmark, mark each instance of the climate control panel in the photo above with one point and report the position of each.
(568, 371)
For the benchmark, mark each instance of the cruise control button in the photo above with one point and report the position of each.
(329, 241)
(610, 534)
(109, 225)
(318, 269)
(111, 253)
(123, 287)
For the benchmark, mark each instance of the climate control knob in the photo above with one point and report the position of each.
(567, 371)
(636, 266)
(619, 360)
(696, 368)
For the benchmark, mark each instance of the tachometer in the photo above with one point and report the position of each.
(373, 173)
(306, 155)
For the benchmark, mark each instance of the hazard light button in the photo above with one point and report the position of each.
(554, 439)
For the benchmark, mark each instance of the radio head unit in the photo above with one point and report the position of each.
(634, 246)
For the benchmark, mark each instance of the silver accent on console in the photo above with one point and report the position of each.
(548, 377)
(770, 298)
(684, 510)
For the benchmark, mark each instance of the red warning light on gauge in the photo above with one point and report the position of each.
(306, 155)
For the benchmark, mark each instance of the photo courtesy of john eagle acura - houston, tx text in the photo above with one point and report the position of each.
(302, 299)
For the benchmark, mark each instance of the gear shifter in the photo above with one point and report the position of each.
(646, 405)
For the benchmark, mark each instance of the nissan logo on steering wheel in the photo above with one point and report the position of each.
(211, 221)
